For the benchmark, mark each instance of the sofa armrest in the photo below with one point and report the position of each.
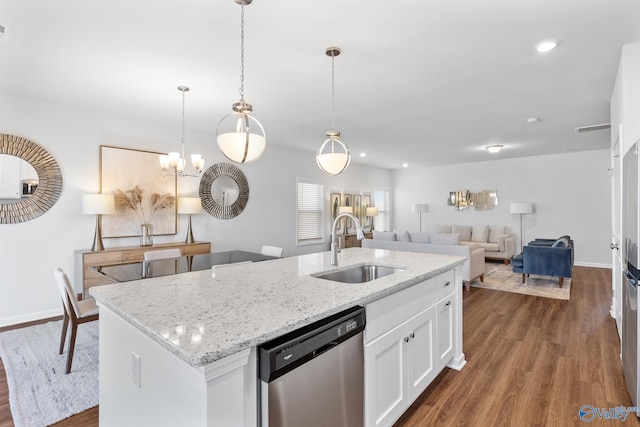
(507, 245)
(476, 262)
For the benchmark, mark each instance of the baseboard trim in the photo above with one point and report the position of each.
(31, 317)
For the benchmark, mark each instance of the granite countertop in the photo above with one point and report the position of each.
(202, 318)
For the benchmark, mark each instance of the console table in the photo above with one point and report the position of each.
(351, 240)
(84, 259)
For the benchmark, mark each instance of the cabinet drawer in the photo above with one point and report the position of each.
(390, 311)
(103, 258)
(445, 284)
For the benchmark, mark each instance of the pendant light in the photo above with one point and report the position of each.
(176, 161)
(240, 136)
(333, 156)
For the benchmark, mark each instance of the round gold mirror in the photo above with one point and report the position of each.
(224, 191)
(37, 193)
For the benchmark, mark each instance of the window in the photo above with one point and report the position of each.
(381, 200)
(310, 221)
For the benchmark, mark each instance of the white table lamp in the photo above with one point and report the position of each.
(371, 212)
(98, 205)
(189, 206)
(420, 208)
(521, 208)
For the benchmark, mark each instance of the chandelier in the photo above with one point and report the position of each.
(174, 161)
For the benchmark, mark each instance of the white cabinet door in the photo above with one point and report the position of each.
(385, 388)
(422, 366)
(445, 322)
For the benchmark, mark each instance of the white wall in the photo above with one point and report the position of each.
(570, 193)
(30, 251)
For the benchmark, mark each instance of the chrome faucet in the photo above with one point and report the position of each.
(334, 248)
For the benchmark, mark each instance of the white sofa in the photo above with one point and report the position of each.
(496, 241)
(436, 243)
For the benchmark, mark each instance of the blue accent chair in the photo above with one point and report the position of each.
(546, 259)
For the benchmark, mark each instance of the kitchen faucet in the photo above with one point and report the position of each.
(334, 249)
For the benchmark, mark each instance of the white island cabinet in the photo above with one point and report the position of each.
(181, 349)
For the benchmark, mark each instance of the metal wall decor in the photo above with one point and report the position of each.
(49, 180)
(228, 197)
(482, 200)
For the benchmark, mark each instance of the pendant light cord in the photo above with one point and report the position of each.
(242, 52)
(333, 93)
(183, 123)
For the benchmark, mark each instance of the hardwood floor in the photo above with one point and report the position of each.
(530, 362)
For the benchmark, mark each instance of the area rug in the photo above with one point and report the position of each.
(499, 277)
(40, 393)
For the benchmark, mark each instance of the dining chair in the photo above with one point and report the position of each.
(272, 251)
(216, 267)
(75, 311)
(158, 255)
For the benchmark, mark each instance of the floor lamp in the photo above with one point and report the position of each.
(98, 205)
(521, 208)
(420, 208)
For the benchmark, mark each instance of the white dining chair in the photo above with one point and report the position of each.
(158, 255)
(272, 251)
(75, 312)
(217, 267)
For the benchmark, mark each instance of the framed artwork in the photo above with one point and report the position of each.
(366, 202)
(335, 201)
(347, 200)
(144, 194)
(357, 208)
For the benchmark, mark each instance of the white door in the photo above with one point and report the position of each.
(616, 231)
(385, 388)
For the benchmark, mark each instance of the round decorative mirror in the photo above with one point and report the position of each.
(38, 180)
(224, 191)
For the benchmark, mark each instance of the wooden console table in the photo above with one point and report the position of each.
(85, 259)
(351, 240)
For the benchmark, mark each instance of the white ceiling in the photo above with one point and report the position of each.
(425, 82)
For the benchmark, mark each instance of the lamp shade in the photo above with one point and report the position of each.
(345, 209)
(521, 207)
(189, 205)
(419, 208)
(98, 204)
(372, 211)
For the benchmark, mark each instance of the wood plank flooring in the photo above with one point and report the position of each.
(530, 362)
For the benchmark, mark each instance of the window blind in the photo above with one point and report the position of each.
(310, 212)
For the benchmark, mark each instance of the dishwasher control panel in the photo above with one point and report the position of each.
(283, 354)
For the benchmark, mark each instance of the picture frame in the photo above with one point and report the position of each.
(335, 201)
(125, 168)
(357, 208)
(347, 200)
(366, 220)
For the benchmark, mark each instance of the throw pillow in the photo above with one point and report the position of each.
(444, 229)
(402, 236)
(480, 233)
(464, 231)
(384, 235)
(560, 243)
(496, 231)
(420, 237)
(444, 239)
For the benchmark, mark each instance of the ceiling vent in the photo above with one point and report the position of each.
(593, 127)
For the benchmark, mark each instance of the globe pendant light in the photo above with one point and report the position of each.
(176, 161)
(333, 157)
(240, 136)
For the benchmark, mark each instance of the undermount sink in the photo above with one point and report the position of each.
(359, 273)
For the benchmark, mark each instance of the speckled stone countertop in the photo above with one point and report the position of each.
(201, 318)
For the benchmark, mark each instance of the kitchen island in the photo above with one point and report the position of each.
(181, 349)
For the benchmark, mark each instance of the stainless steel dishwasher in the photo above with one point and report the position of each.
(314, 376)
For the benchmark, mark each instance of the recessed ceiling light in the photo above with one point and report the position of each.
(494, 148)
(533, 119)
(546, 45)
(405, 165)
(363, 154)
